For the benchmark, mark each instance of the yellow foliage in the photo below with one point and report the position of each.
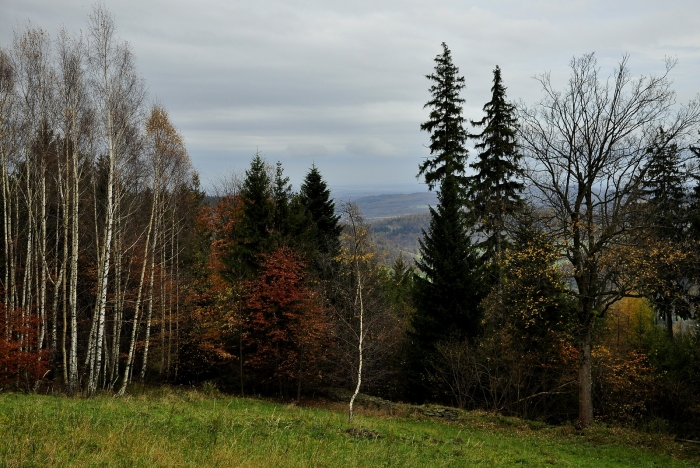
(626, 324)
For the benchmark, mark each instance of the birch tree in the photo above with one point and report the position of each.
(363, 319)
(32, 66)
(167, 166)
(76, 127)
(8, 131)
(118, 95)
(169, 162)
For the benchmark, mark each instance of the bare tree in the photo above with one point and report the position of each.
(32, 65)
(357, 255)
(119, 95)
(76, 127)
(586, 148)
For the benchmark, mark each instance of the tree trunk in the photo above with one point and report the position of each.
(156, 233)
(99, 314)
(137, 307)
(585, 382)
(359, 346)
(669, 323)
(74, 254)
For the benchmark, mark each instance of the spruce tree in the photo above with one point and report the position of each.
(494, 191)
(316, 199)
(445, 124)
(253, 234)
(447, 292)
(282, 195)
(664, 187)
(667, 216)
(291, 223)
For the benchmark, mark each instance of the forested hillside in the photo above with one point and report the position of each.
(543, 275)
(399, 236)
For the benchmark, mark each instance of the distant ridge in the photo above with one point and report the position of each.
(374, 207)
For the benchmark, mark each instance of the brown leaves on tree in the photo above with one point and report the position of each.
(287, 321)
(22, 362)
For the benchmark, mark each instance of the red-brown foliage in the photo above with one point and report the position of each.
(211, 302)
(22, 363)
(287, 322)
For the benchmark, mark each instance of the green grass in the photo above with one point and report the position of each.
(187, 428)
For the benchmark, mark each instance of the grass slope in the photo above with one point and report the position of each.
(187, 428)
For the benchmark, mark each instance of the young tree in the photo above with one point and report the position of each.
(586, 148)
(356, 306)
(494, 191)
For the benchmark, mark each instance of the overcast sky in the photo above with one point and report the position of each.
(342, 84)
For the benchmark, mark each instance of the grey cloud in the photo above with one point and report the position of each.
(307, 150)
(371, 147)
(291, 78)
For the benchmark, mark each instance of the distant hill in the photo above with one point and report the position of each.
(399, 235)
(375, 207)
(397, 219)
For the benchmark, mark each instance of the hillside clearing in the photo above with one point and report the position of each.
(189, 428)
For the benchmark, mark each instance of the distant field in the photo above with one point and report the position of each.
(188, 428)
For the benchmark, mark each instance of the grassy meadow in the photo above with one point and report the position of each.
(190, 428)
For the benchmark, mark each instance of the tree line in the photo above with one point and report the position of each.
(575, 205)
(97, 189)
(548, 256)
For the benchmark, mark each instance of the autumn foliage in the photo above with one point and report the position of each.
(211, 302)
(287, 321)
(22, 361)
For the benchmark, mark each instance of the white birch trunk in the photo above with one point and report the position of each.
(359, 344)
(132, 346)
(156, 232)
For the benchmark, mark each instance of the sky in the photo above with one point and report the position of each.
(342, 84)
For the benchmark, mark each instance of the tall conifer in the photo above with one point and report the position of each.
(447, 291)
(253, 232)
(494, 191)
(448, 153)
(448, 294)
